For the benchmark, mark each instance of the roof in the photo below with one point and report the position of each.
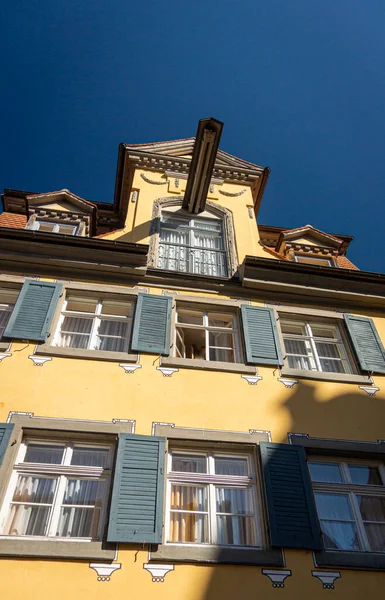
(12, 220)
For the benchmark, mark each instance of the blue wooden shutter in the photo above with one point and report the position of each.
(34, 309)
(152, 324)
(367, 343)
(136, 513)
(5, 434)
(261, 335)
(290, 502)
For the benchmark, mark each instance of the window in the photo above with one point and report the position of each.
(211, 499)
(58, 490)
(192, 245)
(313, 345)
(207, 335)
(94, 324)
(314, 260)
(350, 500)
(51, 227)
(8, 299)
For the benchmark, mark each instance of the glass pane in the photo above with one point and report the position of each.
(326, 350)
(173, 258)
(221, 340)
(313, 261)
(188, 527)
(90, 457)
(221, 355)
(300, 362)
(113, 336)
(207, 225)
(372, 508)
(340, 536)
(376, 536)
(221, 320)
(67, 229)
(192, 318)
(42, 453)
(293, 328)
(332, 366)
(233, 501)
(231, 466)
(78, 522)
(327, 472)
(194, 342)
(81, 304)
(44, 226)
(186, 497)
(189, 463)
(324, 332)
(110, 307)
(27, 520)
(333, 506)
(84, 492)
(365, 475)
(237, 531)
(296, 347)
(76, 325)
(40, 490)
(74, 333)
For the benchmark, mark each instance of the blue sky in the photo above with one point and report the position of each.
(299, 85)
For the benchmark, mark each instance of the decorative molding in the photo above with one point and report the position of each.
(167, 371)
(288, 383)
(134, 196)
(327, 578)
(177, 182)
(276, 576)
(233, 194)
(31, 415)
(252, 379)
(158, 572)
(211, 188)
(251, 212)
(371, 391)
(105, 570)
(130, 369)
(153, 181)
(155, 423)
(268, 433)
(5, 355)
(22, 414)
(39, 361)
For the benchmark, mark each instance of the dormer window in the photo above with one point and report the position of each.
(314, 260)
(52, 227)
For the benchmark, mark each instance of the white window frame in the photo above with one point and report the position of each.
(62, 472)
(314, 259)
(55, 226)
(211, 480)
(234, 331)
(352, 490)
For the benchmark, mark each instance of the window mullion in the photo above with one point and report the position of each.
(359, 522)
(207, 335)
(313, 347)
(93, 333)
(56, 506)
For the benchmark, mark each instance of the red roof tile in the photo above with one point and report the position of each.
(12, 220)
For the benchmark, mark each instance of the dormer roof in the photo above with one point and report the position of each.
(308, 233)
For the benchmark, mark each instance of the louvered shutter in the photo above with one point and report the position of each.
(261, 335)
(290, 502)
(136, 514)
(5, 434)
(152, 324)
(367, 343)
(34, 309)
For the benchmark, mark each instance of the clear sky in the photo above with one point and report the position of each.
(299, 85)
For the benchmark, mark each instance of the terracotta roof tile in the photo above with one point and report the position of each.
(345, 263)
(12, 220)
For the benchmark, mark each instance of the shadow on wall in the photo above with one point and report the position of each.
(347, 416)
(138, 233)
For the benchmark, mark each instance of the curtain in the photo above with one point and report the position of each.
(90, 457)
(75, 332)
(235, 528)
(372, 508)
(4, 318)
(339, 529)
(42, 453)
(172, 256)
(113, 335)
(76, 521)
(206, 262)
(27, 519)
(188, 526)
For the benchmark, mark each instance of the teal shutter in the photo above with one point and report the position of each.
(261, 335)
(34, 309)
(290, 502)
(5, 434)
(367, 343)
(136, 514)
(152, 324)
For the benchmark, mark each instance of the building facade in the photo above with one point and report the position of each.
(192, 404)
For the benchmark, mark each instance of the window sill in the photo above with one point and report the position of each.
(340, 377)
(352, 560)
(216, 554)
(88, 354)
(56, 549)
(208, 365)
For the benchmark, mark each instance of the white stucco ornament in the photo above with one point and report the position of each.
(289, 383)
(252, 379)
(39, 361)
(105, 570)
(277, 576)
(158, 572)
(167, 371)
(5, 355)
(327, 578)
(130, 369)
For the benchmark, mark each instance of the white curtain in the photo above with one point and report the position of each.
(188, 526)
(113, 335)
(76, 521)
(75, 333)
(337, 524)
(28, 519)
(236, 528)
(4, 318)
(172, 256)
(206, 262)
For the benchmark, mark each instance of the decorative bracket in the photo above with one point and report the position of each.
(288, 383)
(371, 391)
(167, 371)
(158, 572)
(252, 379)
(39, 361)
(327, 578)
(104, 570)
(130, 369)
(277, 577)
(4, 356)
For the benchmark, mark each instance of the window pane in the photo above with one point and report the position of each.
(208, 225)
(110, 307)
(189, 463)
(40, 490)
(293, 328)
(188, 527)
(372, 508)
(113, 336)
(296, 347)
(44, 226)
(326, 350)
(78, 522)
(376, 536)
(237, 531)
(75, 332)
(194, 341)
(324, 332)
(81, 304)
(221, 320)
(192, 318)
(221, 355)
(340, 536)
(365, 475)
(231, 466)
(186, 497)
(67, 229)
(221, 340)
(299, 362)
(27, 520)
(233, 501)
(327, 472)
(332, 366)
(90, 457)
(41, 453)
(84, 492)
(333, 506)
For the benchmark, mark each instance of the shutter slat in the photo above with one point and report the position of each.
(33, 312)
(5, 434)
(290, 502)
(136, 514)
(367, 343)
(261, 336)
(151, 332)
